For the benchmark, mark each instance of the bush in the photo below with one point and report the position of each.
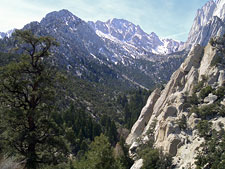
(217, 59)
(99, 156)
(221, 111)
(182, 122)
(155, 159)
(194, 99)
(204, 128)
(212, 151)
(220, 92)
(208, 111)
(198, 87)
(205, 91)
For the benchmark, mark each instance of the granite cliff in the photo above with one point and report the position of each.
(209, 22)
(172, 109)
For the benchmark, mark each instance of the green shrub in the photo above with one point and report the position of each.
(208, 111)
(204, 128)
(152, 127)
(155, 159)
(205, 91)
(99, 156)
(221, 111)
(191, 100)
(198, 87)
(212, 152)
(182, 122)
(220, 92)
(194, 99)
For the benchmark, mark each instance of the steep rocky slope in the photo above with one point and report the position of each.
(196, 84)
(209, 22)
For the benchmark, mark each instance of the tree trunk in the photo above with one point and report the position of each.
(31, 151)
(31, 160)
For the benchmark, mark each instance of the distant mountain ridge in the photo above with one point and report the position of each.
(87, 55)
(126, 33)
(120, 51)
(131, 40)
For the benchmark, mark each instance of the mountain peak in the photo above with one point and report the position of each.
(116, 20)
(63, 15)
(61, 18)
(153, 34)
(209, 22)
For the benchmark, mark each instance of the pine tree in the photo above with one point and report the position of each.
(99, 156)
(27, 102)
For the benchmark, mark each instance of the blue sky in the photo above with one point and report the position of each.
(167, 18)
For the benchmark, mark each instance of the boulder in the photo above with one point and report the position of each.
(210, 98)
(172, 129)
(170, 111)
(172, 145)
(133, 147)
(137, 164)
(193, 121)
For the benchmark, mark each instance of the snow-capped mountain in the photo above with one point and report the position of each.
(106, 58)
(209, 22)
(132, 36)
(6, 34)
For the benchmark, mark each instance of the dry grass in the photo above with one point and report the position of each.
(9, 163)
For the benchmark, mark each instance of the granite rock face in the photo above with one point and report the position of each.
(144, 117)
(169, 107)
(209, 22)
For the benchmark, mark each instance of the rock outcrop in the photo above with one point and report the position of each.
(144, 117)
(209, 22)
(167, 107)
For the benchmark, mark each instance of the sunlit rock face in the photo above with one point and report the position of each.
(209, 22)
(167, 107)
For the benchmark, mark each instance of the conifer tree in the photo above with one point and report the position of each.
(99, 156)
(27, 104)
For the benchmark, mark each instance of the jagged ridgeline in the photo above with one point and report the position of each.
(119, 64)
(187, 118)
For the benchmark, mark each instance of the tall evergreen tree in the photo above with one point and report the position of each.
(27, 102)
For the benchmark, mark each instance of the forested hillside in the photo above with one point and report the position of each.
(47, 114)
